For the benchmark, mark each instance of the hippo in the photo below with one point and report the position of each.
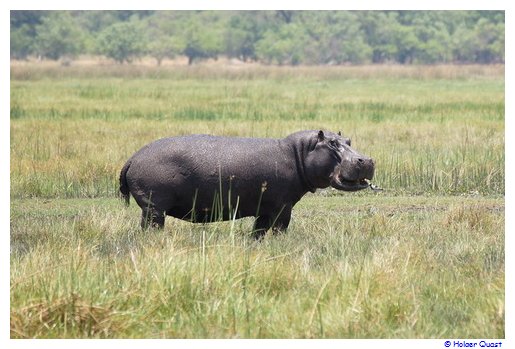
(204, 178)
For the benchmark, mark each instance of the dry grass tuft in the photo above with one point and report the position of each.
(473, 217)
(77, 317)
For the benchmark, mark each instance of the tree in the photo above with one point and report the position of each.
(23, 32)
(162, 36)
(58, 36)
(286, 15)
(202, 35)
(94, 21)
(335, 37)
(122, 41)
(406, 43)
(243, 31)
(484, 43)
(279, 37)
(378, 30)
(285, 46)
(22, 42)
(163, 46)
(434, 40)
(490, 39)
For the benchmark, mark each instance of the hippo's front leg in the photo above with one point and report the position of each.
(278, 222)
(261, 226)
(282, 219)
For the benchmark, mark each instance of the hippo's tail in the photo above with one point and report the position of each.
(124, 187)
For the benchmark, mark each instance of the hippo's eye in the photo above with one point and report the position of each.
(333, 143)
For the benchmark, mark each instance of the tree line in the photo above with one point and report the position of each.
(272, 37)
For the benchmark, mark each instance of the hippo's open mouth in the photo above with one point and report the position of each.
(341, 183)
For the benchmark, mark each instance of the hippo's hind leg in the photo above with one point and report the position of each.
(152, 218)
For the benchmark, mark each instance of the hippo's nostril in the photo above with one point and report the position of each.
(360, 160)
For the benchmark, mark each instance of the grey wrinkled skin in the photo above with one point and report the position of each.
(264, 178)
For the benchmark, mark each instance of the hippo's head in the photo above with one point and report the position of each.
(333, 162)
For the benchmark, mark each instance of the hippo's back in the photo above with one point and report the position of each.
(205, 151)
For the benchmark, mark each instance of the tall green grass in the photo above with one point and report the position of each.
(308, 98)
(424, 268)
(70, 136)
(72, 158)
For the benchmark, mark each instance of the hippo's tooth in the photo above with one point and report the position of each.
(373, 186)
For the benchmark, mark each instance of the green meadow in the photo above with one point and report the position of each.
(422, 259)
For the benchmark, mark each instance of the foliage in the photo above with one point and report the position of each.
(23, 32)
(243, 32)
(22, 44)
(335, 37)
(58, 36)
(284, 46)
(280, 37)
(202, 35)
(162, 38)
(122, 41)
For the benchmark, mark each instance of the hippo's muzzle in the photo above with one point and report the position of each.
(353, 174)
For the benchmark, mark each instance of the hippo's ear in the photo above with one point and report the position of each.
(339, 133)
(321, 135)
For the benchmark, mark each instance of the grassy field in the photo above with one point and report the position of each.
(422, 259)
